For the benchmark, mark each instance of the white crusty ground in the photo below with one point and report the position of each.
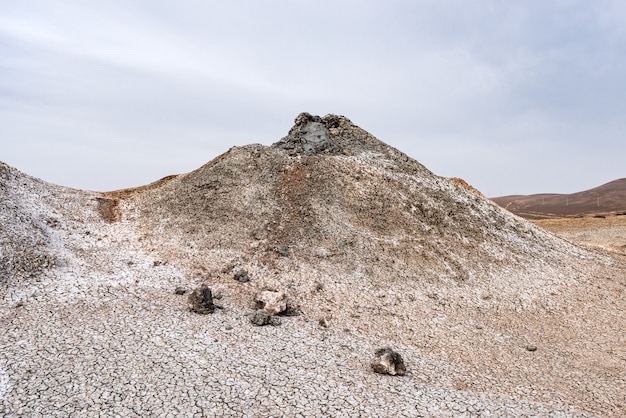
(101, 332)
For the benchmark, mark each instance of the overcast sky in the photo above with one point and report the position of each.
(513, 96)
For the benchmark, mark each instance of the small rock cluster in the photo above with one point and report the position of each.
(260, 318)
(269, 303)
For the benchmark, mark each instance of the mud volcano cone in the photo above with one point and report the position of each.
(331, 197)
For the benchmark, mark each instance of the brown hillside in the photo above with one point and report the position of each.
(609, 198)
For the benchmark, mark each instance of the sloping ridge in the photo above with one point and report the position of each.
(609, 198)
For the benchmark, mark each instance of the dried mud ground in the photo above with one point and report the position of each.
(608, 232)
(109, 347)
(139, 352)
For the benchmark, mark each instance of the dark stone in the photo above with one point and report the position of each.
(242, 276)
(207, 296)
(201, 301)
(332, 121)
(261, 318)
(305, 118)
(180, 290)
(387, 361)
(291, 310)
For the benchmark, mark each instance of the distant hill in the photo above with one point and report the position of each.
(610, 198)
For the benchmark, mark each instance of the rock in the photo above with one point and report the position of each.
(180, 290)
(272, 301)
(201, 301)
(309, 136)
(323, 322)
(261, 317)
(387, 361)
(291, 309)
(531, 347)
(242, 276)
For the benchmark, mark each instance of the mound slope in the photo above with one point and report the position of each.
(364, 239)
(347, 200)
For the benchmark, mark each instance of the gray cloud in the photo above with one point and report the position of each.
(514, 97)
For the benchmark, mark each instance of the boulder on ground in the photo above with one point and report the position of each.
(387, 361)
(241, 276)
(201, 300)
(261, 317)
(292, 309)
(271, 301)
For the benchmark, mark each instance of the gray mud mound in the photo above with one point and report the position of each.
(24, 238)
(372, 249)
(330, 196)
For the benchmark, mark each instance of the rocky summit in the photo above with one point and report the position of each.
(264, 282)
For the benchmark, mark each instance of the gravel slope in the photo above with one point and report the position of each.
(357, 234)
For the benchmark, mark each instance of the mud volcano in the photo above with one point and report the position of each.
(367, 248)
